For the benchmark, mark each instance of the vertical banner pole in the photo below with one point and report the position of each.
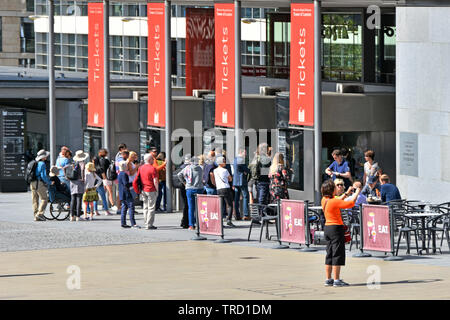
(51, 81)
(278, 226)
(317, 100)
(361, 254)
(168, 85)
(238, 124)
(307, 231)
(106, 90)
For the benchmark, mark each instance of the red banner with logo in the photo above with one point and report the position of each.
(209, 214)
(301, 107)
(95, 65)
(225, 64)
(292, 222)
(377, 231)
(199, 49)
(156, 65)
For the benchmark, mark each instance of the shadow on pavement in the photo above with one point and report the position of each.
(397, 282)
(23, 275)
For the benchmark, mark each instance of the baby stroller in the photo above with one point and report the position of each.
(59, 204)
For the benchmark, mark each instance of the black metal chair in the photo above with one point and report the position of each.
(439, 224)
(262, 214)
(355, 226)
(405, 229)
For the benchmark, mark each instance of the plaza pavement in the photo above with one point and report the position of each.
(115, 263)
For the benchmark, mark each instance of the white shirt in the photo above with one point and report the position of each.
(90, 180)
(221, 176)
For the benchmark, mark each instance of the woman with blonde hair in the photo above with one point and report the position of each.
(132, 169)
(279, 177)
(92, 182)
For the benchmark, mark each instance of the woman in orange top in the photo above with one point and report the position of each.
(334, 230)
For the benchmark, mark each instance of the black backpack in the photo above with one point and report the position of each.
(111, 173)
(176, 183)
(73, 171)
(30, 171)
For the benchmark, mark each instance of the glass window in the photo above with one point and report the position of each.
(290, 144)
(1, 35)
(342, 47)
(385, 50)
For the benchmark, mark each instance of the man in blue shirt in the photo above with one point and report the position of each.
(388, 190)
(339, 169)
(39, 186)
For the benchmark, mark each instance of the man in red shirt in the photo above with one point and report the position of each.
(148, 176)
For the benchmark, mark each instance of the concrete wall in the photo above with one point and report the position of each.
(423, 101)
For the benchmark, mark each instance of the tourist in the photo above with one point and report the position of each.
(38, 187)
(162, 191)
(372, 188)
(208, 174)
(362, 199)
(240, 179)
(148, 178)
(185, 218)
(223, 179)
(91, 182)
(126, 199)
(133, 166)
(339, 169)
(261, 174)
(56, 182)
(102, 164)
(370, 166)
(340, 188)
(334, 232)
(192, 177)
(389, 191)
(77, 186)
(62, 162)
(279, 178)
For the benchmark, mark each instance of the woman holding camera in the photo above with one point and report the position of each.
(334, 230)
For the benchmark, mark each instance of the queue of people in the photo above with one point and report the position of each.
(85, 181)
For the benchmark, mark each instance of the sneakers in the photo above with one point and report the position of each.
(113, 208)
(136, 227)
(230, 224)
(191, 228)
(247, 218)
(125, 226)
(340, 283)
(39, 218)
(107, 213)
(329, 283)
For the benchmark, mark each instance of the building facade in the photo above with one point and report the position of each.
(16, 33)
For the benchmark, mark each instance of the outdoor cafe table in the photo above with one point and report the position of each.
(422, 217)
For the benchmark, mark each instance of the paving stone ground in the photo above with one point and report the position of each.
(116, 263)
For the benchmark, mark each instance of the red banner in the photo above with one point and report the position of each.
(377, 231)
(156, 65)
(209, 214)
(301, 108)
(199, 49)
(95, 65)
(225, 64)
(292, 222)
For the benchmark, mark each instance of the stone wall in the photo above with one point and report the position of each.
(423, 103)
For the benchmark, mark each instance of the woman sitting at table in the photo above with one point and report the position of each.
(334, 231)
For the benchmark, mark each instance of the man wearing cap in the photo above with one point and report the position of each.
(39, 187)
(223, 179)
(372, 188)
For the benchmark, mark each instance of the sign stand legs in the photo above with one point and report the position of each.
(197, 237)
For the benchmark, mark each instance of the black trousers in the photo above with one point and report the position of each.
(334, 236)
(76, 201)
(185, 218)
(227, 201)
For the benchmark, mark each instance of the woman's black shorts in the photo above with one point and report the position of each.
(334, 236)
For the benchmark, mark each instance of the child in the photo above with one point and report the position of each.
(125, 196)
(92, 181)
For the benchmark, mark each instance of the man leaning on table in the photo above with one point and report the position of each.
(389, 191)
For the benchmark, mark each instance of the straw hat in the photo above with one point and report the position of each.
(54, 171)
(80, 156)
(42, 154)
(90, 167)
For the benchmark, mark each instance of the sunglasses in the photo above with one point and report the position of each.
(340, 185)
